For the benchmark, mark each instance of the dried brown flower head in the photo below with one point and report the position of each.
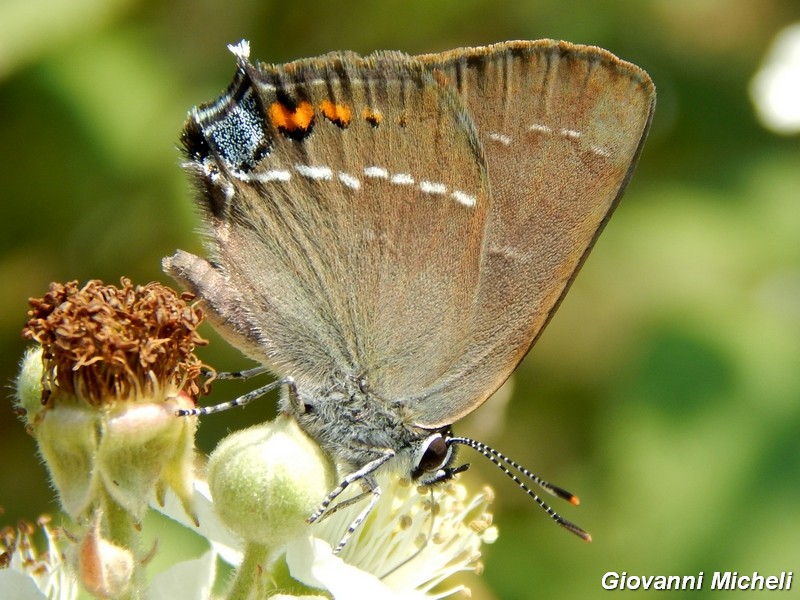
(101, 342)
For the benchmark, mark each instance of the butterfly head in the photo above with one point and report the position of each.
(434, 457)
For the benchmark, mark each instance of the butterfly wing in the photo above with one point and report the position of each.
(561, 127)
(347, 201)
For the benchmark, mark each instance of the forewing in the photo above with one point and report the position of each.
(562, 127)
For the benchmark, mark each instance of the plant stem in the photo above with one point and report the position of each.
(252, 575)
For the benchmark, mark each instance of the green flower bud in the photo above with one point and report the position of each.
(67, 436)
(140, 440)
(114, 366)
(28, 388)
(267, 480)
(105, 569)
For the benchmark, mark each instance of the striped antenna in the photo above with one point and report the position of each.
(500, 461)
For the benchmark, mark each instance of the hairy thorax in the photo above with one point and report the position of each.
(356, 427)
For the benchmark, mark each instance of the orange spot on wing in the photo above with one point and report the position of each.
(373, 117)
(337, 113)
(288, 119)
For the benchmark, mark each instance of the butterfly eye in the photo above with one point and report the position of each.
(433, 455)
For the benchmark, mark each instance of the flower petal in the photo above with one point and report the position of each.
(189, 580)
(223, 541)
(19, 586)
(775, 88)
(312, 562)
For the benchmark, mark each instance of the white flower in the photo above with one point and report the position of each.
(32, 575)
(412, 542)
(775, 88)
(227, 545)
(188, 580)
(400, 552)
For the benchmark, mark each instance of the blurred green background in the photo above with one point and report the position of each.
(666, 392)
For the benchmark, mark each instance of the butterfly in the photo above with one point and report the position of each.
(390, 234)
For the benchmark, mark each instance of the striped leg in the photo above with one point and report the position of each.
(376, 494)
(245, 399)
(332, 510)
(246, 374)
(364, 474)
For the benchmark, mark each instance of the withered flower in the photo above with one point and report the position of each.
(101, 343)
(100, 394)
